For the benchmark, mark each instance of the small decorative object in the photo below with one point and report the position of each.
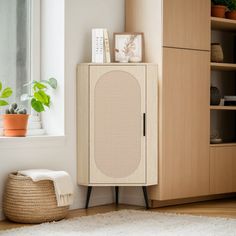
(215, 96)
(128, 47)
(100, 46)
(39, 99)
(25, 201)
(15, 121)
(231, 14)
(215, 137)
(216, 53)
(230, 100)
(218, 8)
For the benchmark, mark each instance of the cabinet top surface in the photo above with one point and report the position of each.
(117, 64)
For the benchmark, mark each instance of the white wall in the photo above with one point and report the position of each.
(80, 17)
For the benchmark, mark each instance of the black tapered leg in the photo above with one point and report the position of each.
(145, 196)
(88, 196)
(117, 194)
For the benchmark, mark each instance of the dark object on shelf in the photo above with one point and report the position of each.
(230, 100)
(215, 96)
(216, 140)
(217, 54)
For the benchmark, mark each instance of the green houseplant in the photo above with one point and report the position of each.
(231, 14)
(39, 97)
(218, 8)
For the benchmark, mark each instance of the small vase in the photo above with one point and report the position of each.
(215, 96)
(217, 54)
(231, 15)
(218, 11)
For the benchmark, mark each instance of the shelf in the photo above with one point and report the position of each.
(228, 108)
(223, 24)
(223, 145)
(223, 66)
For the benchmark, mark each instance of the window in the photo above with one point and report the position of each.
(15, 46)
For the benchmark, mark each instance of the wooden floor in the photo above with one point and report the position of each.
(218, 208)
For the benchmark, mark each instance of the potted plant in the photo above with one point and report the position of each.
(218, 8)
(231, 14)
(15, 121)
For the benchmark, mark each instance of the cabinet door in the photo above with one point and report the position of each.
(184, 125)
(186, 24)
(223, 167)
(117, 143)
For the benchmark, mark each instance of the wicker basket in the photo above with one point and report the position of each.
(25, 201)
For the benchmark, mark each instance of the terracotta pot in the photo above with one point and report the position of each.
(218, 11)
(15, 125)
(231, 15)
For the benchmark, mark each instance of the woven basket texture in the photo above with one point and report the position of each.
(25, 201)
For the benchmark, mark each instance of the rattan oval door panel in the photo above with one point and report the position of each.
(117, 140)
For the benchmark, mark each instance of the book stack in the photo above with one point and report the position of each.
(100, 46)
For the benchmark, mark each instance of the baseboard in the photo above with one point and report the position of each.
(156, 203)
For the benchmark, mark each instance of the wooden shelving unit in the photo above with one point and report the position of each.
(223, 66)
(229, 108)
(223, 24)
(223, 145)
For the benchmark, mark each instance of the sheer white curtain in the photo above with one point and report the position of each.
(15, 53)
(15, 46)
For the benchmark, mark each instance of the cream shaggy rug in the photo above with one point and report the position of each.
(131, 222)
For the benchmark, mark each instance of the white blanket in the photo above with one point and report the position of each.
(63, 186)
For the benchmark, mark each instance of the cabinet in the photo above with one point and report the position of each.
(186, 24)
(223, 165)
(177, 37)
(117, 124)
(184, 124)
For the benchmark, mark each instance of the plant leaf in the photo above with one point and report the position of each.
(38, 85)
(53, 83)
(49, 100)
(0, 86)
(25, 97)
(41, 96)
(37, 105)
(3, 103)
(6, 93)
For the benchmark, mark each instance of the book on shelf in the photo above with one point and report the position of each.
(100, 46)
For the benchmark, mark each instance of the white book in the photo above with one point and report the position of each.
(107, 46)
(97, 45)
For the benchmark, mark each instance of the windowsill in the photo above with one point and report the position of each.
(32, 141)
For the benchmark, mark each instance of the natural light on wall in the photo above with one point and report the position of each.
(32, 48)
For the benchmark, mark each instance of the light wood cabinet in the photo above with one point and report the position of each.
(223, 166)
(184, 125)
(117, 124)
(177, 37)
(186, 24)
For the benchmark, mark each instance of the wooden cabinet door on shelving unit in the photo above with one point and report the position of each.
(222, 171)
(186, 24)
(184, 125)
